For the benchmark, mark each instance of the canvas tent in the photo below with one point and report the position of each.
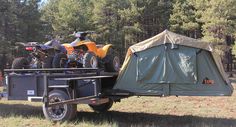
(172, 64)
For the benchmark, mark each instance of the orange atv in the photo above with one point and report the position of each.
(85, 53)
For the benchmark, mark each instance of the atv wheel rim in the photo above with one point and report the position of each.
(93, 62)
(58, 111)
(116, 63)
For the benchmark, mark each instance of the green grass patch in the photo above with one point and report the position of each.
(134, 111)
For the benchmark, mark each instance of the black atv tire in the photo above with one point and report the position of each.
(47, 63)
(59, 60)
(90, 60)
(112, 61)
(20, 63)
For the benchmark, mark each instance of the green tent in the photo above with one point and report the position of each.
(172, 64)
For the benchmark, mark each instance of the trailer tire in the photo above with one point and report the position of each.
(20, 63)
(102, 107)
(59, 112)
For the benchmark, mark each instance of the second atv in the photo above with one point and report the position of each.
(85, 53)
(40, 55)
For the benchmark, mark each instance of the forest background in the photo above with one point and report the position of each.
(119, 22)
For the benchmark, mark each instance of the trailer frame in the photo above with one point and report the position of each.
(71, 76)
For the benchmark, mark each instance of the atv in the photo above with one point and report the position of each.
(85, 53)
(40, 55)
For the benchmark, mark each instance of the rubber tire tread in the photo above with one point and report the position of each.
(47, 63)
(102, 107)
(56, 63)
(109, 65)
(87, 58)
(71, 108)
(20, 63)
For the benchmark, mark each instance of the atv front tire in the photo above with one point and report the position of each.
(90, 60)
(20, 63)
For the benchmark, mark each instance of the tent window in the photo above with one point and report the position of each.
(158, 65)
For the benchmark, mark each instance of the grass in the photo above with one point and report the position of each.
(134, 111)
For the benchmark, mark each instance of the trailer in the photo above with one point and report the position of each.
(61, 89)
(167, 64)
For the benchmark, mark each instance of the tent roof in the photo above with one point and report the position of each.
(173, 38)
(170, 37)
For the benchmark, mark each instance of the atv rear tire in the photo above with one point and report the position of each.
(47, 63)
(20, 63)
(59, 60)
(90, 60)
(113, 61)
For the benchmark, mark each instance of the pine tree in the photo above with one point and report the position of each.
(117, 22)
(184, 19)
(131, 19)
(155, 16)
(219, 19)
(67, 16)
(19, 21)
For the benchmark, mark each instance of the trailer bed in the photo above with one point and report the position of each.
(35, 84)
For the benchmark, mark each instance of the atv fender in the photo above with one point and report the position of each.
(91, 46)
(68, 48)
(104, 51)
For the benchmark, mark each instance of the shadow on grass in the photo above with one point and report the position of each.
(8, 110)
(122, 119)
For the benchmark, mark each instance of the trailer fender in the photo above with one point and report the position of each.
(64, 89)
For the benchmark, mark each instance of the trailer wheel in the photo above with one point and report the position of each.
(59, 112)
(102, 107)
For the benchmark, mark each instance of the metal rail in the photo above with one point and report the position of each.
(51, 69)
(83, 78)
(71, 101)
